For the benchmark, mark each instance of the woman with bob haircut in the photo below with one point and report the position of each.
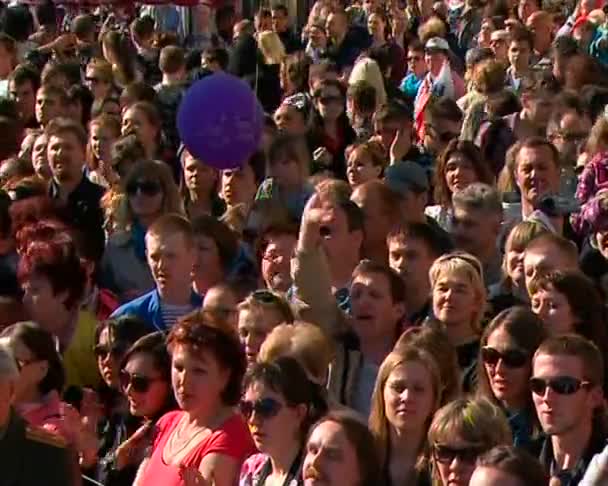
(459, 166)
(341, 450)
(505, 366)
(464, 429)
(205, 440)
(280, 404)
(459, 297)
(147, 192)
(406, 395)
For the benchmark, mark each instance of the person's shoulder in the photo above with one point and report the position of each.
(133, 306)
(44, 439)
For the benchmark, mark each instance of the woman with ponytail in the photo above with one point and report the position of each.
(280, 404)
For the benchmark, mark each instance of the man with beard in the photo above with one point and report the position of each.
(72, 191)
(476, 227)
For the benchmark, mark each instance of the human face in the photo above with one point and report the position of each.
(377, 219)
(146, 198)
(540, 261)
(388, 129)
(416, 63)
(66, 157)
(101, 140)
(317, 36)
(276, 262)
(434, 61)
(557, 413)
(515, 267)
(273, 434)
(151, 399)
(330, 103)
(39, 158)
(109, 352)
(525, 8)
(536, 174)
(337, 239)
(375, 314)
(454, 300)
(135, 121)
(570, 137)
(411, 258)
(48, 106)
(287, 172)
(555, 311)
(171, 260)
(24, 95)
(360, 169)
(500, 48)
(289, 120)
(489, 476)
(208, 268)
(475, 230)
(198, 379)
(222, 302)
(509, 384)
(100, 88)
(438, 134)
(253, 329)
(539, 107)
(262, 23)
(601, 237)
(519, 55)
(280, 21)
(487, 27)
(409, 397)
(238, 186)
(375, 26)
(31, 370)
(540, 28)
(459, 173)
(43, 304)
(335, 25)
(199, 178)
(458, 470)
(331, 459)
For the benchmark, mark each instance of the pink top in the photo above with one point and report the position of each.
(47, 415)
(231, 439)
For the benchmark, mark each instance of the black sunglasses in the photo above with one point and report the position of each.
(116, 351)
(266, 408)
(147, 188)
(446, 455)
(138, 383)
(512, 358)
(562, 385)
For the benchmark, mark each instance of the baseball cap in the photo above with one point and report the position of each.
(405, 176)
(437, 44)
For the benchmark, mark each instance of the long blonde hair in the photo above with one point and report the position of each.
(271, 47)
(378, 422)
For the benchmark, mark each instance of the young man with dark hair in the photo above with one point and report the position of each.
(442, 123)
(521, 46)
(508, 466)
(171, 254)
(51, 103)
(280, 24)
(566, 385)
(23, 84)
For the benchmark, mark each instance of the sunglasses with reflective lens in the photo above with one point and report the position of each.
(562, 385)
(147, 188)
(266, 408)
(138, 383)
(512, 358)
(446, 455)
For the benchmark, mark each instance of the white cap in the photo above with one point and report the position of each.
(437, 43)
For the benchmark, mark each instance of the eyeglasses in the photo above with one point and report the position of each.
(512, 358)
(102, 352)
(446, 455)
(266, 408)
(326, 100)
(147, 188)
(562, 385)
(138, 383)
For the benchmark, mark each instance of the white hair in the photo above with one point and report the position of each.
(8, 366)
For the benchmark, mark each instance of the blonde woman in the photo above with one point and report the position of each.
(268, 76)
(459, 297)
(406, 395)
(461, 432)
(147, 192)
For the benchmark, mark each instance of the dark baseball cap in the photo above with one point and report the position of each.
(405, 176)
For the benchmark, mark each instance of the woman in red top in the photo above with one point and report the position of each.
(206, 441)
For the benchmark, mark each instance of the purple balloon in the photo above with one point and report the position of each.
(220, 121)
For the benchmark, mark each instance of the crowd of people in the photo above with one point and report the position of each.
(406, 284)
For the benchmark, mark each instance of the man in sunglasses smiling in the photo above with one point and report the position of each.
(567, 372)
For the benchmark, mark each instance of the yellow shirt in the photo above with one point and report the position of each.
(78, 359)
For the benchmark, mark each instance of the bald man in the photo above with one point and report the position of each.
(541, 25)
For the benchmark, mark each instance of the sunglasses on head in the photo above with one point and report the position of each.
(148, 188)
(138, 383)
(266, 408)
(446, 455)
(116, 351)
(562, 385)
(512, 358)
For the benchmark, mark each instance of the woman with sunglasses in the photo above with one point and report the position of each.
(259, 314)
(280, 404)
(459, 296)
(146, 383)
(505, 366)
(147, 192)
(460, 432)
(206, 441)
(459, 165)
(407, 394)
